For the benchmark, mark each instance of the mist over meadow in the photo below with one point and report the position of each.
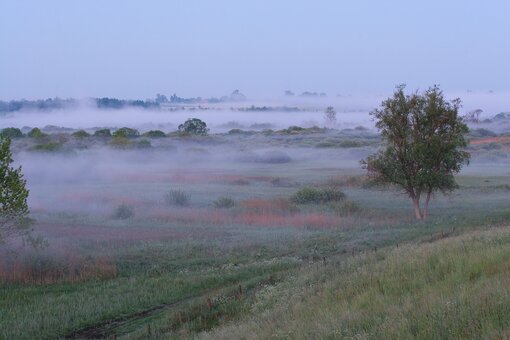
(254, 169)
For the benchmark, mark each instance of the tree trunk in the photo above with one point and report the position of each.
(416, 204)
(426, 208)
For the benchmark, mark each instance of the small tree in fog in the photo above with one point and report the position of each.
(194, 126)
(330, 115)
(474, 116)
(14, 210)
(424, 137)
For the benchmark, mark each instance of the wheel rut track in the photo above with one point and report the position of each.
(104, 329)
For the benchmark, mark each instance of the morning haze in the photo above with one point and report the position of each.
(254, 169)
(134, 49)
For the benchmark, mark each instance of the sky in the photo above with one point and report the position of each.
(135, 49)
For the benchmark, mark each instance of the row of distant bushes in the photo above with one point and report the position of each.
(124, 132)
(192, 126)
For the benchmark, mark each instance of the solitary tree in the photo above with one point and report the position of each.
(474, 116)
(330, 115)
(424, 137)
(194, 126)
(14, 211)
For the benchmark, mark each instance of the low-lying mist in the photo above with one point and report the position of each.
(255, 114)
(58, 180)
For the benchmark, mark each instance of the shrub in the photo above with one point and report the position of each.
(177, 197)
(224, 202)
(154, 134)
(126, 132)
(124, 212)
(103, 133)
(36, 133)
(193, 126)
(11, 132)
(237, 132)
(80, 134)
(309, 195)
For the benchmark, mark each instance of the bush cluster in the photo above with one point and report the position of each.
(124, 212)
(177, 197)
(224, 203)
(11, 132)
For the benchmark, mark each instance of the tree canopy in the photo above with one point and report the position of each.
(424, 137)
(194, 126)
(13, 196)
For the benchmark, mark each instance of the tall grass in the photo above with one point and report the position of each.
(53, 269)
(452, 288)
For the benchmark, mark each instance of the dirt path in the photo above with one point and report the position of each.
(106, 328)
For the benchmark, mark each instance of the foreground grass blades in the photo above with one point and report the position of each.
(451, 288)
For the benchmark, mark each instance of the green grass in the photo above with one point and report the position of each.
(55, 310)
(452, 288)
(297, 282)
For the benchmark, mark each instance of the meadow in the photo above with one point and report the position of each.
(214, 237)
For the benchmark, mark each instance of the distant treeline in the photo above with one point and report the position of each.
(113, 103)
(41, 104)
(58, 103)
(235, 96)
(254, 108)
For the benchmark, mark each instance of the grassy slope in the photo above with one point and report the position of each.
(161, 275)
(455, 287)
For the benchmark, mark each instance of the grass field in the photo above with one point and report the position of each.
(172, 265)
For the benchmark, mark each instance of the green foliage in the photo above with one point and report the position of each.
(103, 133)
(298, 130)
(194, 126)
(126, 132)
(36, 133)
(177, 197)
(224, 202)
(154, 134)
(80, 134)
(13, 196)
(425, 137)
(11, 133)
(238, 132)
(48, 147)
(121, 143)
(124, 212)
(309, 195)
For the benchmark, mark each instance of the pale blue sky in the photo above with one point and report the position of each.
(134, 49)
